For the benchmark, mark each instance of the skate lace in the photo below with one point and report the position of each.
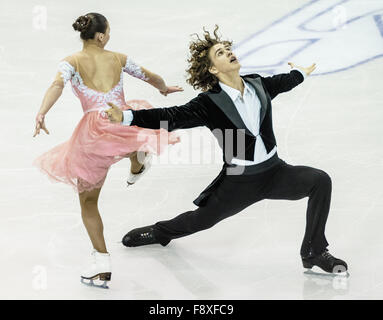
(146, 235)
(327, 255)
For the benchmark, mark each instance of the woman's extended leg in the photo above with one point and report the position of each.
(92, 219)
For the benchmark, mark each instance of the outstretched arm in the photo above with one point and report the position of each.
(286, 81)
(193, 114)
(156, 81)
(66, 70)
(144, 74)
(51, 96)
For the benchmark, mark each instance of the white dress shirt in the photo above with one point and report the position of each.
(248, 107)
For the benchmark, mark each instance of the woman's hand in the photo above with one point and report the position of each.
(40, 124)
(171, 90)
(114, 113)
(307, 70)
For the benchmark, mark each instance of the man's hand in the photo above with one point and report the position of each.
(114, 114)
(306, 70)
(40, 124)
(171, 90)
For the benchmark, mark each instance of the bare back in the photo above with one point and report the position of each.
(101, 71)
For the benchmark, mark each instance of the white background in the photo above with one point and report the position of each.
(331, 122)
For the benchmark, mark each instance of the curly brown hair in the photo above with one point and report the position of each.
(199, 61)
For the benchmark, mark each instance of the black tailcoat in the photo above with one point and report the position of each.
(215, 110)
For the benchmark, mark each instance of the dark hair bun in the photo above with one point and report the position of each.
(82, 23)
(89, 24)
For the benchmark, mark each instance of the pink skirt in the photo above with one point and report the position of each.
(84, 160)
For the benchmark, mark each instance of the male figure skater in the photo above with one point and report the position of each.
(237, 109)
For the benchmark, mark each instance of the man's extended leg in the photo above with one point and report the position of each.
(296, 182)
(229, 198)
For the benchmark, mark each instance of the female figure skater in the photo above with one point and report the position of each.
(96, 76)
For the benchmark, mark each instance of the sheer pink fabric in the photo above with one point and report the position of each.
(84, 160)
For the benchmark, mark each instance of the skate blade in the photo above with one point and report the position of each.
(344, 274)
(91, 282)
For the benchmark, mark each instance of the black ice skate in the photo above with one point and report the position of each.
(141, 237)
(326, 262)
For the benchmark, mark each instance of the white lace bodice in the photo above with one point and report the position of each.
(93, 100)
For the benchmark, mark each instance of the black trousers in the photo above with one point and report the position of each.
(236, 192)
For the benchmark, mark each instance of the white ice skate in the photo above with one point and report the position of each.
(134, 177)
(99, 270)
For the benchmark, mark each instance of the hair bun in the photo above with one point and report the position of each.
(82, 23)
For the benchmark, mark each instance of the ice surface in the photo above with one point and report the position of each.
(333, 121)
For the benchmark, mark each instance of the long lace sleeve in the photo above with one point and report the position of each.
(67, 71)
(134, 69)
